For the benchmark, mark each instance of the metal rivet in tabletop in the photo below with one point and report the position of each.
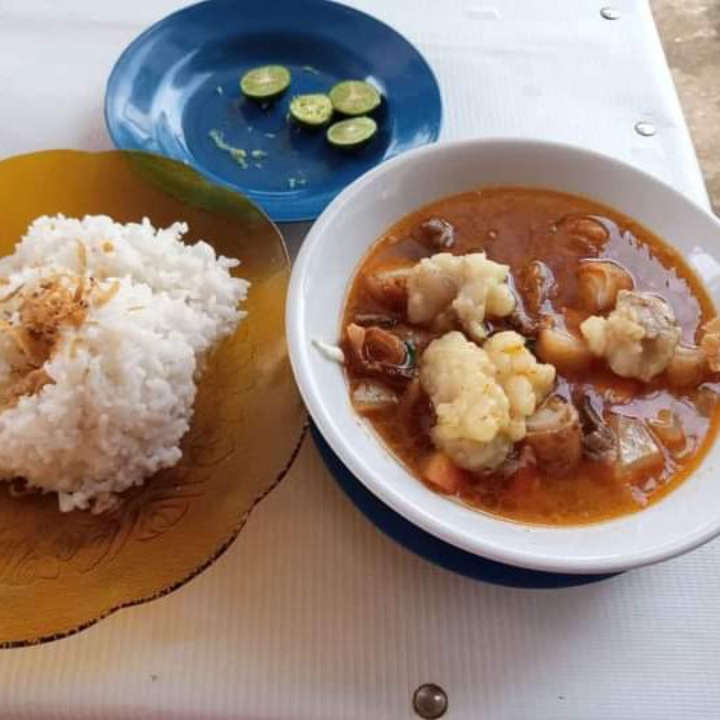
(645, 128)
(610, 13)
(430, 701)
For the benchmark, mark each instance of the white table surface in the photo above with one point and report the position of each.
(313, 613)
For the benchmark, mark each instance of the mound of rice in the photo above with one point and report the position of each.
(103, 328)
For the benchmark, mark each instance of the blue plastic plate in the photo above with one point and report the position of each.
(431, 548)
(179, 82)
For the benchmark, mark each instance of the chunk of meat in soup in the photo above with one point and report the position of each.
(554, 434)
(436, 233)
(599, 282)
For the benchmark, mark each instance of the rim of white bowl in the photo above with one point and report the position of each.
(299, 348)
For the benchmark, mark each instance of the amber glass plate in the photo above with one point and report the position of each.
(62, 572)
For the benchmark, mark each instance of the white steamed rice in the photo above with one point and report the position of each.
(121, 385)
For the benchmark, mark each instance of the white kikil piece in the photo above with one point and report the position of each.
(330, 352)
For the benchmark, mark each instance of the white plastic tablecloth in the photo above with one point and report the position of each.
(313, 613)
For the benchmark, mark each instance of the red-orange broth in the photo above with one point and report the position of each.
(516, 226)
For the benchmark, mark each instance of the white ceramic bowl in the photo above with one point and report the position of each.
(327, 262)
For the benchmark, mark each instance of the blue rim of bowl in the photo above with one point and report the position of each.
(270, 208)
(433, 549)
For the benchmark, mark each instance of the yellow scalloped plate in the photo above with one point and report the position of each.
(62, 572)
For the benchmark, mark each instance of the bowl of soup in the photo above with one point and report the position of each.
(514, 345)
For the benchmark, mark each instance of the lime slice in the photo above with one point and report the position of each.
(265, 83)
(354, 97)
(312, 110)
(352, 132)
